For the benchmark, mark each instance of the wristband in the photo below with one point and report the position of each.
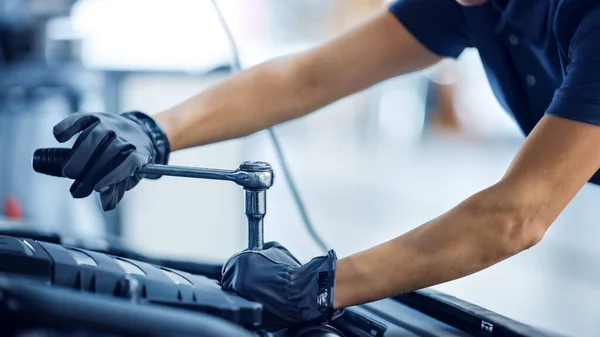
(160, 142)
(325, 286)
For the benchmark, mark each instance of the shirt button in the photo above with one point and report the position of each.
(530, 80)
(513, 39)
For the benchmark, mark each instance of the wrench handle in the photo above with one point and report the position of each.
(50, 161)
(188, 172)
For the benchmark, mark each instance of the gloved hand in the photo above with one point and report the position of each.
(291, 293)
(109, 150)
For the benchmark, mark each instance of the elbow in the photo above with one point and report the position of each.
(519, 235)
(519, 230)
(510, 226)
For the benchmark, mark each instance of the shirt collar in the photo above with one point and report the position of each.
(528, 16)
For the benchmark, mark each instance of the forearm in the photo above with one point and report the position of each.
(294, 86)
(244, 103)
(481, 231)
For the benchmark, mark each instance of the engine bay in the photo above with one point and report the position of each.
(50, 288)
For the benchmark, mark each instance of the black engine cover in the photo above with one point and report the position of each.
(114, 276)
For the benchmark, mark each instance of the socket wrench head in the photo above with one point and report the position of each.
(256, 166)
(259, 174)
(256, 209)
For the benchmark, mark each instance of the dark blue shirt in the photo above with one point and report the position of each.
(540, 56)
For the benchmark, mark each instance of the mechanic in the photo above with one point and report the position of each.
(542, 59)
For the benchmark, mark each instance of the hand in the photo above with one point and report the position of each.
(108, 151)
(291, 293)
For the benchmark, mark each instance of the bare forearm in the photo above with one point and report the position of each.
(475, 235)
(294, 86)
(247, 102)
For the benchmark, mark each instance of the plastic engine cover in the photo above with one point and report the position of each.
(115, 276)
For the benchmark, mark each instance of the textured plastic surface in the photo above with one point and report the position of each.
(106, 293)
(119, 277)
(24, 257)
(466, 316)
(355, 324)
(27, 303)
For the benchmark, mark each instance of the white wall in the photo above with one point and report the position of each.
(182, 217)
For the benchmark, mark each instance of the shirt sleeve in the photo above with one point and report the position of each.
(438, 24)
(578, 97)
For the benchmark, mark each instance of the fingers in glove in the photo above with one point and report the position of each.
(272, 244)
(125, 170)
(111, 197)
(89, 146)
(106, 163)
(263, 257)
(107, 196)
(277, 245)
(70, 126)
(132, 182)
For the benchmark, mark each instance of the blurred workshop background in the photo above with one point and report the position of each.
(369, 167)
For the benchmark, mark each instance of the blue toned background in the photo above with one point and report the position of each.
(369, 167)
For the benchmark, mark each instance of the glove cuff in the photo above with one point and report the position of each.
(325, 286)
(332, 313)
(159, 138)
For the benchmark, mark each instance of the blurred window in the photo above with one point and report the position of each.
(160, 35)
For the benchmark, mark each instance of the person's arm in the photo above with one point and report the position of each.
(557, 159)
(111, 147)
(293, 86)
(560, 155)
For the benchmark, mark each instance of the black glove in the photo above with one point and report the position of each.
(291, 293)
(109, 150)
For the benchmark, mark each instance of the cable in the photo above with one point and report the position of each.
(237, 66)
